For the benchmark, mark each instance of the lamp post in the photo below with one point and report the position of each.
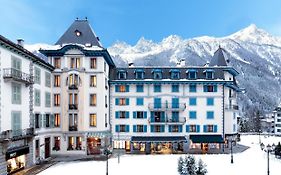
(231, 141)
(106, 152)
(268, 149)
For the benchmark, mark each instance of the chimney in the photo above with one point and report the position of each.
(182, 63)
(20, 42)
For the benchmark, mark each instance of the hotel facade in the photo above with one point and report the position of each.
(77, 101)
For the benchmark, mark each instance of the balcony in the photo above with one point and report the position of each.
(166, 106)
(73, 106)
(73, 87)
(73, 128)
(16, 134)
(180, 120)
(231, 107)
(156, 121)
(16, 75)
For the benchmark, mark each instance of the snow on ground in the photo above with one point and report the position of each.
(251, 161)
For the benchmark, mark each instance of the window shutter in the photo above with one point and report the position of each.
(134, 128)
(44, 120)
(116, 114)
(215, 88)
(215, 128)
(127, 114)
(117, 88)
(127, 101)
(205, 88)
(152, 116)
(170, 128)
(180, 128)
(40, 120)
(205, 128)
(144, 128)
(134, 114)
(116, 101)
(145, 114)
(127, 128)
(162, 128)
(197, 128)
(151, 128)
(117, 128)
(52, 119)
(127, 88)
(187, 128)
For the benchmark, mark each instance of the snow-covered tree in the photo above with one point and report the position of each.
(191, 165)
(201, 169)
(182, 166)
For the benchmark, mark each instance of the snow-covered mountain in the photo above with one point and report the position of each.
(252, 51)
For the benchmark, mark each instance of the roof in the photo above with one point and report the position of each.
(206, 138)
(87, 35)
(24, 52)
(158, 139)
(219, 58)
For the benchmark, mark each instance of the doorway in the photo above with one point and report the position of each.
(47, 147)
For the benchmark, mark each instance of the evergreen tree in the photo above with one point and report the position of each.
(201, 169)
(182, 166)
(191, 165)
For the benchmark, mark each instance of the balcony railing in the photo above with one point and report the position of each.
(167, 106)
(16, 75)
(73, 106)
(17, 134)
(73, 128)
(231, 107)
(73, 87)
(167, 120)
(176, 121)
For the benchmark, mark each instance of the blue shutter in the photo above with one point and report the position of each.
(157, 102)
(170, 128)
(162, 116)
(117, 128)
(151, 128)
(116, 101)
(152, 116)
(197, 128)
(145, 115)
(215, 128)
(192, 101)
(116, 114)
(127, 88)
(205, 128)
(144, 128)
(134, 128)
(162, 128)
(127, 101)
(117, 89)
(210, 115)
(127, 114)
(175, 102)
(187, 128)
(210, 101)
(205, 88)
(215, 88)
(127, 129)
(180, 128)
(134, 114)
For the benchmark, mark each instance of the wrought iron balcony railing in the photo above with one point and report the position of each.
(73, 106)
(73, 128)
(168, 120)
(17, 134)
(167, 106)
(17, 75)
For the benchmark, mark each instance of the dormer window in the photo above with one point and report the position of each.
(139, 74)
(175, 74)
(209, 74)
(78, 33)
(192, 74)
(157, 74)
(122, 75)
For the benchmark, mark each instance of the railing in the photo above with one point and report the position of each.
(166, 106)
(73, 106)
(177, 120)
(20, 133)
(168, 120)
(73, 128)
(231, 107)
(156, 120)
(73, 87)
(17, 75)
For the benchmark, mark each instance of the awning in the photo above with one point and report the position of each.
(206, 138)
(158, 139)
(17, 151)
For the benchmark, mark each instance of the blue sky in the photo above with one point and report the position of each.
(128, 20)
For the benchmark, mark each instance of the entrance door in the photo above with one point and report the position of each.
(47, 147)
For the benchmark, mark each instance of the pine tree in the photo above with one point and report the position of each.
(191, 166)
(182, 166)
(201, 169)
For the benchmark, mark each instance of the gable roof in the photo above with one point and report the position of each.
(219, 58)
(87, 35)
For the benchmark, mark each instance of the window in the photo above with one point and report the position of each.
(192, 128)
(47, 99)
(37, 76)
(210, 88)
(16, 63)
(105, 120)
(47, 79)
(139, 87)
(16, 123)
(175, 88)
(175, 128)
(56, 80)
(192, 115)
(37, 120)
(139, 128)
(56, 144)
(57, 120)
(73, 122)
(93, 99)
(93, 81)
(210, 114)
(105, 101)
(74, 63)
(73, 81)
(47, 120)
(122, 128)
(70, 143)
(122, 114)
(210, 128)
(93, 63)
(210, 101)
(139, 74)
(234, 128)
(192, 88)
(57, 63)
(192, 74)
(122, 101)
(209, 74)
(56, 99)
(37, 148)
(157, 128)
(139, 101)
(192, 101)
(122, 88)
(175, 74)
(16, 93)
(157, 88)
(157, 74)
(122, 75)
(139, 114)
(93, 120)
(37, 97)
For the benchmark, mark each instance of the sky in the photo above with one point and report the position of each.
(45, 21)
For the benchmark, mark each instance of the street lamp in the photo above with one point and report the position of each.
(268, 149)
(231, 150)
(107, 152)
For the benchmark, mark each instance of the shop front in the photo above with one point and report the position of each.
(96, 142)
(16, 159)
(206, 143)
